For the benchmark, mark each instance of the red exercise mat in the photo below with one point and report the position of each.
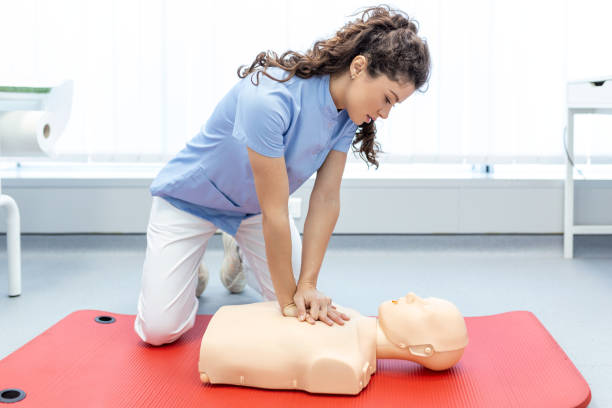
(511, 361)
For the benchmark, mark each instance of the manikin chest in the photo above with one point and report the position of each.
(254, 345)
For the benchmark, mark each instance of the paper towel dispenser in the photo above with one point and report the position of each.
(33, 117)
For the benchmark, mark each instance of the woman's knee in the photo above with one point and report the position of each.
(161, 328)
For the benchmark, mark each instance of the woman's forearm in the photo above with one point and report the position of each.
(320, 222)
(277, 236)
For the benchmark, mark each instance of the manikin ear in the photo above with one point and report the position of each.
(423, 350)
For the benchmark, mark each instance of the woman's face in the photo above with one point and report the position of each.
(368, 98)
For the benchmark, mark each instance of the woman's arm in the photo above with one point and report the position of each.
(323, 212)
(272, 187)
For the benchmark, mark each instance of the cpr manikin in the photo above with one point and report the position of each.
(255, 345)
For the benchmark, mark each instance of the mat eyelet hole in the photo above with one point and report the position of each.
(105, 319)
(11, 395)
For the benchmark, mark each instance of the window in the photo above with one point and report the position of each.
(148, 73)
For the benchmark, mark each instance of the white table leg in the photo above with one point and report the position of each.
(13, 243)
(568, 233)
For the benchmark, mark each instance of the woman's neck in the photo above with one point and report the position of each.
(337, 87)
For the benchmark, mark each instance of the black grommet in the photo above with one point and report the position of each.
(105, 319)
(11, 395)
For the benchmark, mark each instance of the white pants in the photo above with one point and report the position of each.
(176, 242)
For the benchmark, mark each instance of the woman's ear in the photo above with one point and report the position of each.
(358, 65)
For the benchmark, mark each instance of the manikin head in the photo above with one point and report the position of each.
(429, 331)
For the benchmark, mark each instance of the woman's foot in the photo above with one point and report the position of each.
(232, 271)
(202, 279)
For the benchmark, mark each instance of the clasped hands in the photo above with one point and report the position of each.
(310, 305)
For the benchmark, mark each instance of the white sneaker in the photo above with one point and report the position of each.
(202, 279)
(232, 271)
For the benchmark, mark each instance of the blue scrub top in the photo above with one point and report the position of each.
(212, 177)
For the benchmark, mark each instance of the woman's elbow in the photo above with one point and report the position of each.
(275, 214)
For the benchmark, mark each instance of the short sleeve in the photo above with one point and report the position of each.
(263, 115)
(344, 142)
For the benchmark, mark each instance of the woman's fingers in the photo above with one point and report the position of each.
(335, 316)
(328, 321)
(290, 310)
(332, 315)
(342, 315)
(300, 306)
(314, 310)
(323, 313)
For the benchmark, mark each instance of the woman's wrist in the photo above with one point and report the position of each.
(306, 284)
(276, 229)
(285, 300)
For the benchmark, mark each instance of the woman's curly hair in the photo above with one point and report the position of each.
(386, 37)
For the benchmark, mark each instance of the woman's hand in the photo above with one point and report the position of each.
(309, 304)
(292, 311)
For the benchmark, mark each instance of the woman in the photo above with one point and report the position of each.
(287, 118)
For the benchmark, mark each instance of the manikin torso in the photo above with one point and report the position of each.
(255, 345)
(262, 348)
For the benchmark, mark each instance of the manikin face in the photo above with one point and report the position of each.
(413, 321)
(368, 98)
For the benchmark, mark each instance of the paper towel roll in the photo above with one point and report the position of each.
(26, 133)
